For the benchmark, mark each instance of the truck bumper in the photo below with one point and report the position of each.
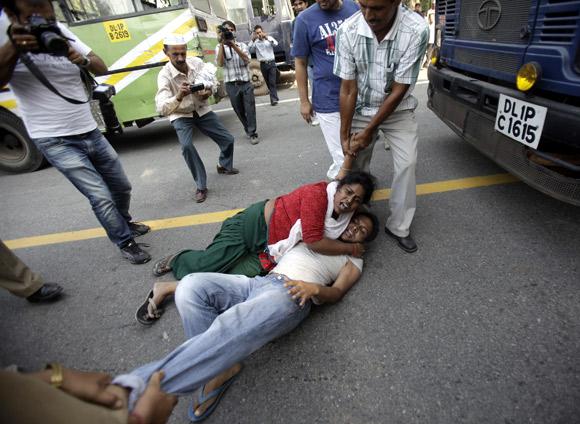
(469, 106)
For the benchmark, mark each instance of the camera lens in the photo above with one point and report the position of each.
(54, 43)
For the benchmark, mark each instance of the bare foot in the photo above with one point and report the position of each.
(214, 384)
(163, 289)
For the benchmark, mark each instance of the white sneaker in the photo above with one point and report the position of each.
(314, 121)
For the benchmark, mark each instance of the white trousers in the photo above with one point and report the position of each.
(330, 126)
(401, 131)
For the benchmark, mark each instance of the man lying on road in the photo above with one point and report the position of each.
(227, 317)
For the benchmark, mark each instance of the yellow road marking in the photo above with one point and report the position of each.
(216, 217)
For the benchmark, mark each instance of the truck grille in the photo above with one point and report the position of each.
(558, 21)
(500, 62)
(447, 9)
(514, 19)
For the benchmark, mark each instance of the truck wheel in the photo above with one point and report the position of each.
(17, 151)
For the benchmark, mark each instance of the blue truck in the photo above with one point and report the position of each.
(505, 76)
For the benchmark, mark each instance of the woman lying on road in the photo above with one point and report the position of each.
(250, 242)
(227, 317)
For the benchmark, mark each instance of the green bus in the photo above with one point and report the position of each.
(128, 36)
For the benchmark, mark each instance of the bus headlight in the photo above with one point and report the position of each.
(528, 75)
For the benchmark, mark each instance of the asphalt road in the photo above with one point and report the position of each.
(480, 325)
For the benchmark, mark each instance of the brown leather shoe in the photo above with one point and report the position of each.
(201, 195)
(222, 170)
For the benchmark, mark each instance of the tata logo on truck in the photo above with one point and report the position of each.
(488, 14)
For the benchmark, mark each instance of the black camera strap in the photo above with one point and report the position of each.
(85, 77)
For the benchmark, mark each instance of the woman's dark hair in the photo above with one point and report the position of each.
(375, 231)
(258, 27)
(365, 180)
(230, 23)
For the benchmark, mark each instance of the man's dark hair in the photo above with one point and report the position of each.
(362, 178)
(375, 231)
(258, 27)
(230, 23)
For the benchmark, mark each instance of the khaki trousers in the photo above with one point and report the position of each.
(27, 400)
(401, 131)
(15, 276)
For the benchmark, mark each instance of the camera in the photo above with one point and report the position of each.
(48, 35)
(103, 92)
(196, 87)
(226, 33)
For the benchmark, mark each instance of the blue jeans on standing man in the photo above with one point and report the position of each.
(209, 125)
(93, 166)
(225, 318)
(241, 94)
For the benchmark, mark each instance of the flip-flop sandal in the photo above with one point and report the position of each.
(217, 394)
(162, 266)
(148, 312)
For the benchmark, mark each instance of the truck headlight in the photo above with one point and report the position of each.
(528, 75)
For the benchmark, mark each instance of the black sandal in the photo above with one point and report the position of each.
(148, 312)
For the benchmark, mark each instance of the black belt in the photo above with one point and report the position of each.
(237, 82)
(268, 61)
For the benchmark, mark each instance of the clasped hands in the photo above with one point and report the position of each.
(356, 142)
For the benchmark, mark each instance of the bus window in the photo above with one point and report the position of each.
(84, 10)
(263, 7)
(237, 11)
(202, 5)
(218, 8)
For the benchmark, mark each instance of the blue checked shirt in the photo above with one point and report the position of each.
(234, 67)
(398, 57)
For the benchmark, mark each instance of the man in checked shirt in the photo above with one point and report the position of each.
(379, 52)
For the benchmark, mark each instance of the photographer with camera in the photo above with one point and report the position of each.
(58, 117)
(264, 45)
(184, 85)
(234, 57)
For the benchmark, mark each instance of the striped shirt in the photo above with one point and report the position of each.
(398, 57)
(234, 67)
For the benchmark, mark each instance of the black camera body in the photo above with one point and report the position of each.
(50, 39)
(226, 33)
(196, 87)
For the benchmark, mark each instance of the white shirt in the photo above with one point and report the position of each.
(301, 263)
(44, 113)
(264, 48)
(168, 82)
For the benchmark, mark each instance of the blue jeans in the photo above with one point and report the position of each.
(225, 318)
(93, 166)
(241, 96)
(209, 125)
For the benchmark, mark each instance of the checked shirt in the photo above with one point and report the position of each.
(398, 57)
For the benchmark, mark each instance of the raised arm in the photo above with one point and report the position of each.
(348, 276)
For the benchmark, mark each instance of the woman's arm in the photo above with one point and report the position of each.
(326, 246)
(348, 276)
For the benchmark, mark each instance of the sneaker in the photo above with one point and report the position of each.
(314, 121)
(47, 293)
(254, 139)
(138, 229)
(134, 254)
